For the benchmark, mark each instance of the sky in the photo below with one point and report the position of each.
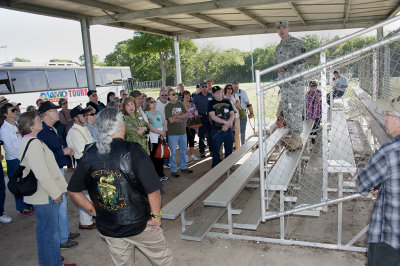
(40, 38)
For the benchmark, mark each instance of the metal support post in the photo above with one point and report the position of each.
(324, 133)
(87, 52)
(177, 61)
(340, 209)
(282, 218)
(183, 221)
(230, 222)
(261, 146)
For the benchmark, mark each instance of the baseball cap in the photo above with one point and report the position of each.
(91, 92)
(77, 110)
(203, 83)
(312, 83)
(283, 23)
(389, 105)
(215, 89)
(3, 100)
(46, 106)
(15, 104)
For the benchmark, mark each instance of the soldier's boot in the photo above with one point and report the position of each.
(295, 143)
(286, 139)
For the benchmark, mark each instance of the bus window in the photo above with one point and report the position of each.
(126, 73)
(62, 79)
(111, 76)
(5, 86)
(82, 79)
(97, 77)
(25, 81)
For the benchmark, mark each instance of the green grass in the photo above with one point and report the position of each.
(271, 100)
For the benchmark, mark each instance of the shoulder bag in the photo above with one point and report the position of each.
(163, 151)
(23, 186)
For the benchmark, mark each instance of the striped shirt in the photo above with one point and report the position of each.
(384, 169)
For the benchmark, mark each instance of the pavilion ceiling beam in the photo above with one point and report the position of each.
(394, 12)
(294, 8)
(183, 9)
(174, 24)
(102, 5)
(141, 28)
(253, 16)
(251, 29)
(166, 3)
(211, 20)
(36, 9)
(347, 11)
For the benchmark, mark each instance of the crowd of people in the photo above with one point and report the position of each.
(54, 137)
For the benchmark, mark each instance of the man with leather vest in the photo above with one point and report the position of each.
(125, 190)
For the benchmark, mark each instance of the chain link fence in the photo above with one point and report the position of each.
(337, 138)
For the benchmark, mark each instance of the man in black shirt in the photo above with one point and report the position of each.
(222, 115)
(94, 101)
(125, 192)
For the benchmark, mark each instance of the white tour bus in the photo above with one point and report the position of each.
(26, 84)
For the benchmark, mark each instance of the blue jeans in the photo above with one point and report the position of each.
(219, 137)
(12, 166)
(243, 124)
(205, 131)
(2, 192)
(48, 233)
(63, 217)
(174, 141)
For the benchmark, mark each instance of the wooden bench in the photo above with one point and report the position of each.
(227, 192)
(178, 205)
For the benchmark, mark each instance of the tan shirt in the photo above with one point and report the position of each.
(78, 136)
(40, 159)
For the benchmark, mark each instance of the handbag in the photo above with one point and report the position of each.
(23, 186)
(194, 122)
(242, 112)
(163, 151)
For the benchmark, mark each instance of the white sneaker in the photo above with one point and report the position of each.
(193, 157)
(5, 219)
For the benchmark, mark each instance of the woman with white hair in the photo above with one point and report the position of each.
(125, 190)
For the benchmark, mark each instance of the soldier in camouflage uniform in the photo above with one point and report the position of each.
(292, 92)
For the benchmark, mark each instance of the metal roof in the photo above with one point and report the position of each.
(192, 19)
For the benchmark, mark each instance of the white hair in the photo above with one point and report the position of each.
(108, 123)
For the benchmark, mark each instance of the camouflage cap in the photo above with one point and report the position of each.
(283, 23)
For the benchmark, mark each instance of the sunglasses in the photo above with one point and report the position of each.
(173, 94)
(152, 101)
(313, 85)
(64, 103)
(91, 114)
(14, 110)
(164, 95)
(204, 86)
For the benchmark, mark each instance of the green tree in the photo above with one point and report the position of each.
(19, 59)
(95, 58)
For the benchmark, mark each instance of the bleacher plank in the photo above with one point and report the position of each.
(373, 109)
(175, 207)
(340, 155)
(203, 224)
(232, 186)
(250, 217)
(280, 175)
(376, 129)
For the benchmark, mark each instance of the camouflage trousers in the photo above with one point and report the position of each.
(292, 99)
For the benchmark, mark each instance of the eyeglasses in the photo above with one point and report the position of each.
(152, 101)
(91, 114)
(385, 113)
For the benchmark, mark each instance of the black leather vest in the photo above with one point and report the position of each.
(116, 192)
